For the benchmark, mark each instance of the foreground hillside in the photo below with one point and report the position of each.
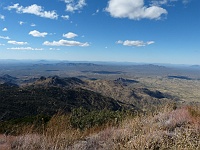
(164, 129)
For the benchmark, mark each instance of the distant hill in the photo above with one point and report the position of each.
(195, 66)
(179, 77)
(7, 79)
(56, 81)
(125, 81)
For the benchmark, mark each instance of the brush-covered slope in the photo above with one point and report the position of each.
(130, 91)
(18, 102)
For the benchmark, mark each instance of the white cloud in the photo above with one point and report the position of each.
(167, 2)
(150, 42)
(186, 1)
(97, 11)
(54, 49)
(17, 43)
(34, 9)
(134, 9)
(52, 33)
(4, 29)
(2, 17)
(25, 48)
(66, 17)
(33, 25)
(74, 5)
(136, 43)
(159, 2)
(65, 43)
(119, 42)
(21, 22)
(2, 44)
(4, 37)
(133, 43)
(36, 33)
(70, 35)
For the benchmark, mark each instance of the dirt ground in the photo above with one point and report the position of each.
(5, 142)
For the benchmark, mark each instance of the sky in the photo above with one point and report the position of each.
(142, 31)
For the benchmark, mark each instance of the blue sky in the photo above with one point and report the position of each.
(149, 31)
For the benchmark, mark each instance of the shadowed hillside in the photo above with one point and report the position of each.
(18, 102)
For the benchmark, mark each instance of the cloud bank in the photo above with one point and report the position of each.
(35, 10)
(17, 43)
(36, 33)
(70, 35)
(167, 2)
(136, 43)
(65, 43)
(74, 5)
(134, 9)
(25, 48)
(4, 37)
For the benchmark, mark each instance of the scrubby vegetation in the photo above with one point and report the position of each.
(16, 102)
(56, 113)
(165, 128)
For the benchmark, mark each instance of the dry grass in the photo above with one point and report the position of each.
(176, 129)
(167, 130)
(164, 129)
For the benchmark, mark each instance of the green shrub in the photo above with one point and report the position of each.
(82, 118)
